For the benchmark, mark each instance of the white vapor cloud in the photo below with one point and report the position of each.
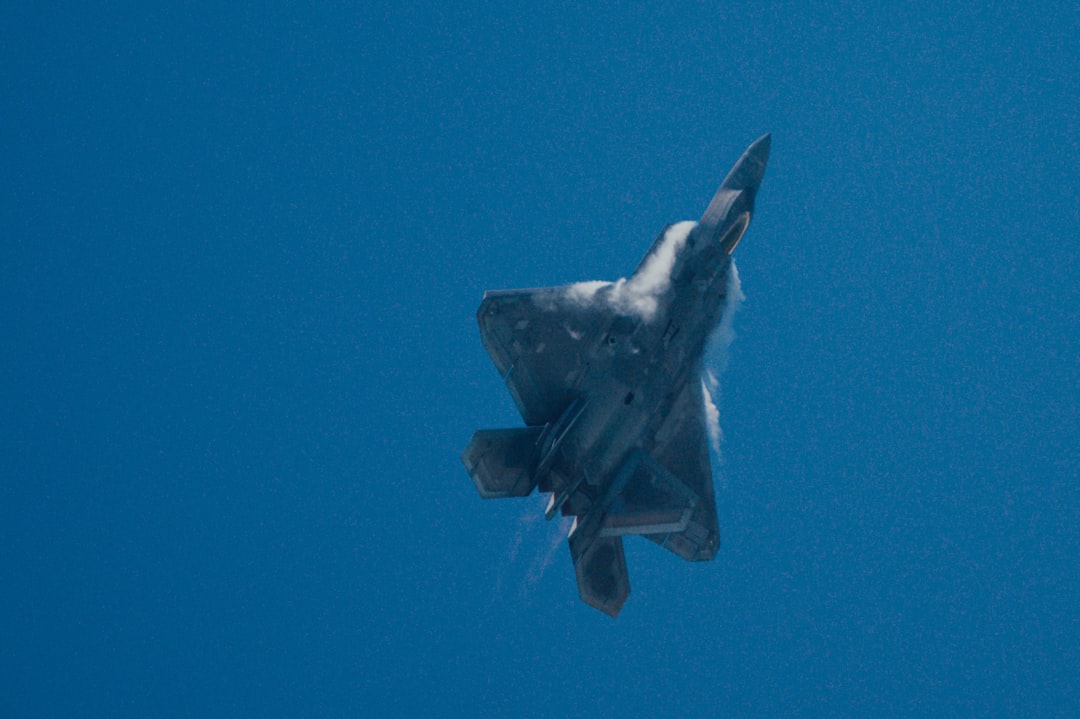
(585, 292)
(709, 387)
(716, 359)
(532, 549)
(640, 294)
(544, 555)
(642, 290)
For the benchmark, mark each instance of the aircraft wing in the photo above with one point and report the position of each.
(539, 340)
(682, 448)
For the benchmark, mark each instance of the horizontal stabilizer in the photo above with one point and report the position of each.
(502, 462)
(653, 501)
(682, 448)
(600, 566)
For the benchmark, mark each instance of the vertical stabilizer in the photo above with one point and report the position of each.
(600, 566)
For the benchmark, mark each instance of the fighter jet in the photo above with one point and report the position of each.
(608, 379)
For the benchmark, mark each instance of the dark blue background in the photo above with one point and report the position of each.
(241, 251)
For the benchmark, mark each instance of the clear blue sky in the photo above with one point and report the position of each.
(241, 250)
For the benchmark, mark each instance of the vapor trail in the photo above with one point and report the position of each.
(641, 293)
(717, 353)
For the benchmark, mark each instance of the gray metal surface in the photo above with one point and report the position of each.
(607, 377)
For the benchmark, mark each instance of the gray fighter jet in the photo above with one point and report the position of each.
(608, 378)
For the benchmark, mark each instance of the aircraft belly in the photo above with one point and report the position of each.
(606, 376)
(610, 428)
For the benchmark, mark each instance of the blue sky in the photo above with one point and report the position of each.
(242, 249)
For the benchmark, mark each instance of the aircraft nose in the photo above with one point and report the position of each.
(739, 188)
(748, 171)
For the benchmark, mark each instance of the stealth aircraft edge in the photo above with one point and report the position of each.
(608, 378)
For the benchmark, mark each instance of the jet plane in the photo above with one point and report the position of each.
(608, 379)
